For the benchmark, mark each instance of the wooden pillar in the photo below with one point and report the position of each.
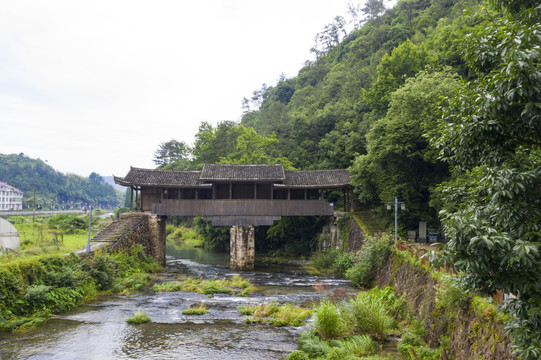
(255, 191)
(351, 207)
(230, 191)
(242, 248)
(131, 198)
(136, 200)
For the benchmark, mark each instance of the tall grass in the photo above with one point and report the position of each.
(370, 315)
(274, 314)
(138, 318)
(236, 285)
(329, 322)
(195, 310)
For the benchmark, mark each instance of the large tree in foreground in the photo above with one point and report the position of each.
(491, 135)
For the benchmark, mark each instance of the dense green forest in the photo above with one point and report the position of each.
(436, 102)
(368, 101)
(54, 189)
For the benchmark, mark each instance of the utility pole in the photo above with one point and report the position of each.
(89, 227)
(34, 207)
(402, 207)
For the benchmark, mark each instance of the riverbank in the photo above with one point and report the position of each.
(98, 329)
(33, 288)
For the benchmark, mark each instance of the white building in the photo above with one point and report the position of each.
(10, 198)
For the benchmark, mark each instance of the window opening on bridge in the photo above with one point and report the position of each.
(222, 191)
(204, 194)
(263, 191)
(296, 194)
(243, 191)
(280, 194)
(188, 194)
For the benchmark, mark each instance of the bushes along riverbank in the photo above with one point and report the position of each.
(34, 288)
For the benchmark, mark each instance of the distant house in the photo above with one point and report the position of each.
(10, 198)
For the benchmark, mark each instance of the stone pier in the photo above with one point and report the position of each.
(242, 247)
(158, 236)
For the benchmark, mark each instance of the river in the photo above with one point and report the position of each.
(98, 330)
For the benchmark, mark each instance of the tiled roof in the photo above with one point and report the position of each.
(6, 187)
(223, 172)
(167, 178)
(226, 172)
(316, 178)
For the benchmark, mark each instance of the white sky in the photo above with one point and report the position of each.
(98, 85)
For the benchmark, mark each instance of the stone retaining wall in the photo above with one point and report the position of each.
(473, 334)
(356, 235)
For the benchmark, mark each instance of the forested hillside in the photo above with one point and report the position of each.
(367, 101)
(436, 102)
(53, 187)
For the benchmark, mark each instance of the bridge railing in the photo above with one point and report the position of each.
(215, 207)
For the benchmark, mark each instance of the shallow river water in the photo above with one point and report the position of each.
(99, 330)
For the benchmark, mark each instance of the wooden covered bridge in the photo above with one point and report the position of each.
(240, 196)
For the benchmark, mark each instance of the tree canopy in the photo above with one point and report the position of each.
(491, 136)
(52, 186)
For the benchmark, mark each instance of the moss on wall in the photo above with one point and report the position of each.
(473, 326)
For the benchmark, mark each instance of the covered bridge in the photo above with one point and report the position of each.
(240, 196)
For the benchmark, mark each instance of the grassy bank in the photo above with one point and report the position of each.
(183, 235)
(32, 288)
(425, 308)
(58, 234)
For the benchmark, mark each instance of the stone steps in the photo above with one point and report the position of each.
(369, 222)
(118, 228)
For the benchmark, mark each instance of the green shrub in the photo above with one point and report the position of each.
(67, 223)
(310, 343)
(136, 281)
(297, 355)
(359, 345)
(325, 259)
(339, 353)
(413, 347)
(36, 296)
(102, 270)
(169, 229)
(328, 320)
(374, 253)
(343, 262)
(31, 288)
(450, 295)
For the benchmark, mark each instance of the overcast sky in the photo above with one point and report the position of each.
(98, 85)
